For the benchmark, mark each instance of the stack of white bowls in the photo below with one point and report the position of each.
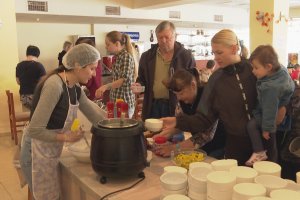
(268, 168)
(175, 169)
(284, 194)
(244, 174)
(244, 191)
(176, 197)
(173, 183)
(197, 182)
(220, 185)
(271, 182)
(224, 164)
(199, 164)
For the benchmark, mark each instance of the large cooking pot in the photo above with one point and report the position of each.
(118, 148)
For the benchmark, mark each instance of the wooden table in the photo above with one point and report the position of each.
(80, 182)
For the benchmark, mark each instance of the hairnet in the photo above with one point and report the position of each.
(82, 54)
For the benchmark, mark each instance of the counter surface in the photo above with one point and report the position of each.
(80, 182)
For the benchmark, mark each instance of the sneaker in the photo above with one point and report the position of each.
(260, 156)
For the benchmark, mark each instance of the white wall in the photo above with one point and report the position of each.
(49, 38)
(96, 8)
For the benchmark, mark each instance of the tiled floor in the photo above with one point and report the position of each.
(9, 182)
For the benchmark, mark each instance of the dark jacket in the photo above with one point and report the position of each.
(222, 99)
(182, 58)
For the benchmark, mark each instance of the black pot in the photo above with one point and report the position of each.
(118, 149)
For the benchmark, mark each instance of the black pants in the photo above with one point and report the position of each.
(259, 143)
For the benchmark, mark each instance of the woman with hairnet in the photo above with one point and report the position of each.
(55, 104)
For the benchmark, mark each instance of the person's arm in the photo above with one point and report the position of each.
(90, 109)
(50, 95)
(165, 150)
(269, 105)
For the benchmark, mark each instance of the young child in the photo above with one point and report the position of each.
(274, 90)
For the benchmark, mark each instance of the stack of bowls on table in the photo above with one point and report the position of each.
(220, 185)
(173, 183)
(197, 181)
(199, 164)
(175, 169)
(244, 174)
(271, 182)
(244, 191)
(176, 197)
(224, 164)
(284, 194)
(268, 168)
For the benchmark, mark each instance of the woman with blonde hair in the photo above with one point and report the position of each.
(229, 96)
(124, 69)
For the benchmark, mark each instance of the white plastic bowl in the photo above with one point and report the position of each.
(284, 194)
(199, 164)
(244, 174)
(197, 179)
(173, 181)
(175, 169)
(80, 150)
(224, 164)
(168, 192)
(271, 182)
(153, 125)
(244, 191)
(219, 181)
(267, 167)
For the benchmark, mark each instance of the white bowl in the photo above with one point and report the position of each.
(196, 195)
(173, 181)
(245, 191)
(244, 174)
(154, 125)
(198, 178)
(271, 182)
(176, 197)
(267, 167)
(220, 181)
(175, 169)
(199, 164)
(80, 150)
(284, 194)
(292, 186)
(224, 164)
(168, 192)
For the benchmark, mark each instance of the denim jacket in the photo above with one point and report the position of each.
(272, 92)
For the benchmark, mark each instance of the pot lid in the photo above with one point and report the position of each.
(117, 123)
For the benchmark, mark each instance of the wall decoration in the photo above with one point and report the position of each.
(265, 19)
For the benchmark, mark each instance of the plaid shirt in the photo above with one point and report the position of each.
(123, 68)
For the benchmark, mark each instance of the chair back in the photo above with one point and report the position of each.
(15, 119)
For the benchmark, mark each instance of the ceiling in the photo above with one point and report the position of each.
(145, 4)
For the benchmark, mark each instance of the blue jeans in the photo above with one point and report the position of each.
(25, 160)
(160, 108)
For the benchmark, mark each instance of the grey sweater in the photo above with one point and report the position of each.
(50, 95)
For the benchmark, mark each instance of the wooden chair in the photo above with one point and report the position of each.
(16, 120)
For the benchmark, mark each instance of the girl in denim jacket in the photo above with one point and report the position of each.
(274, 90)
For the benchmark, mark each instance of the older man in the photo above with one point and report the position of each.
(156, 66)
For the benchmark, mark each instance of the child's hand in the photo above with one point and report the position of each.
(266, 135)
